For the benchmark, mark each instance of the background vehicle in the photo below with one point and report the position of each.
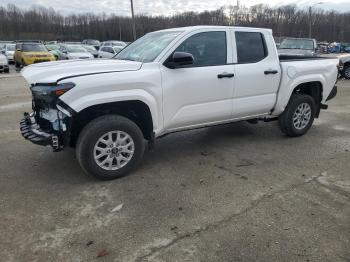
(298, 46)
(93, 42)
(168, 81)
(27, 53)
(9, 51)
(53, 49)
(91, 49)
(4, 65)
(345, 62)
(109, 51)
(113, 43)
(73, 52)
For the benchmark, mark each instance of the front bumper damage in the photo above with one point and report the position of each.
(47, 127)
(31, 131)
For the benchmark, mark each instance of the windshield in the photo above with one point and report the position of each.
(93, 42)
(10, 47)
(33, 48)
(117, 49)
(52, 47)
(148, 47)
(114, 44)
(297, 44)
(75, 49)
(90, 48)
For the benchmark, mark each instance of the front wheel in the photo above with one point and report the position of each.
(346, 72)
(298, 116)
(110, 147)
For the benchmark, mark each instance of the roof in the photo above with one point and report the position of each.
(199, 27)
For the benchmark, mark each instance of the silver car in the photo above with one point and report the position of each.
(109, 51)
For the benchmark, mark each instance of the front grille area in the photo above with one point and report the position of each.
(40, 61)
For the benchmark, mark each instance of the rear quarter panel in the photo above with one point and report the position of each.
(295, 73)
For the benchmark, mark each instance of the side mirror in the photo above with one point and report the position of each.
(3, 51)
(180, 59)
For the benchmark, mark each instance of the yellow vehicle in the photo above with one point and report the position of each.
(30, 53)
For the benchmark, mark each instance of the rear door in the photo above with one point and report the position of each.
(257, 73)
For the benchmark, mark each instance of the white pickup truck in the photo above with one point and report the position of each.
(167, 81)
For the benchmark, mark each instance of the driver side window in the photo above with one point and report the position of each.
(208, 48)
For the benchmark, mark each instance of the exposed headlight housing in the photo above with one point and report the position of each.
(51, 91)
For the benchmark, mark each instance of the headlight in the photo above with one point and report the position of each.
(50, 92)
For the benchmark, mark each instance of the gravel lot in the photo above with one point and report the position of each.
(238, 192)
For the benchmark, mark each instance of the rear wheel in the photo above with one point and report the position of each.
(110, 147)
(298, 116)
(7, 70)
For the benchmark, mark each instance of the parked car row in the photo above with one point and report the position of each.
(23, 53)
(4, 65)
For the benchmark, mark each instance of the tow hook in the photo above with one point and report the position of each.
(323, 106)
(56, 144)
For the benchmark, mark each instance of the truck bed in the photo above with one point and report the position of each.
(288, 58)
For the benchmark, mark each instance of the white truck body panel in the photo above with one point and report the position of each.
(185, 98)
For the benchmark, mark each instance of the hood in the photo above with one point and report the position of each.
(10, 53)
(301, 52)
(51, 72)
(79, 55)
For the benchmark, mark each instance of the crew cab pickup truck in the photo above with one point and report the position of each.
(298, 47)
(167, 81)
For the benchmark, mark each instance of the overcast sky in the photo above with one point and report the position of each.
(165, 7)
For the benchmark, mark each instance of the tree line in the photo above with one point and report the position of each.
(47, 24)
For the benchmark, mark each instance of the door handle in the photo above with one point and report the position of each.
(270, 72)
(227, 75)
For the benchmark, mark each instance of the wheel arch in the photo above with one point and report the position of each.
(313, 89)
(135, 110)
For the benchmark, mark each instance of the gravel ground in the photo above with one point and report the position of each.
(238, 192)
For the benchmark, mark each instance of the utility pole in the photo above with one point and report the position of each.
(236, 13)
(310, 17)
(310, 21)
(120, 29)
(133, 20)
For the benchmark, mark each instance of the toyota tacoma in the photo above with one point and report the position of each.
(168, 81)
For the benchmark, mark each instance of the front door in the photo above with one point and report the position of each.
(201, 93)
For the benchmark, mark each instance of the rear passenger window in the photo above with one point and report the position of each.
(208, 48)
(251, 47)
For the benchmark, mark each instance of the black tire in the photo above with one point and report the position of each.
(93, 131)
(7, 70)
(346, 72)
(286, 119)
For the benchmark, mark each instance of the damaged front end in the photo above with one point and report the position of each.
(50, 121)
